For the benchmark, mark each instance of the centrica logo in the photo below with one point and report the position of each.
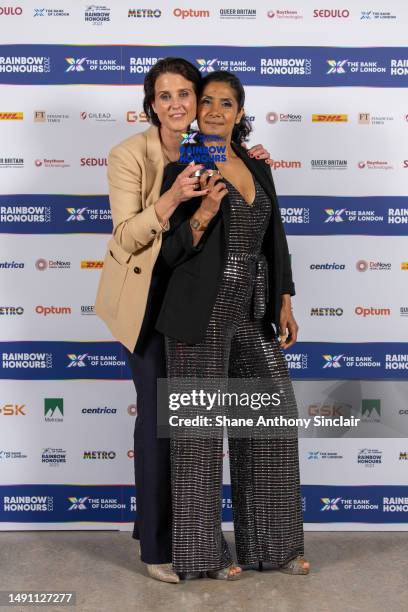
(94, 161)
(11, 116)
(187, 13)
(87, 264)
(49, 310)
(330, 118)
(11, 10)
(331, 13)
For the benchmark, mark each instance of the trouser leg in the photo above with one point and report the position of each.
(265, 477)
(151, 455)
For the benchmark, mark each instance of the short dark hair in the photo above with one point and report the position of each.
(175, 65)
(242, 130)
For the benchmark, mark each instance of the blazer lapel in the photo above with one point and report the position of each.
(253, 166)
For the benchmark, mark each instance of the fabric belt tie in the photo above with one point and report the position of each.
(260, 295)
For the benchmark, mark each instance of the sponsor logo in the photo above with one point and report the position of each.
(11, 116)
(11, 162)
(374, 165)
(404, 311)
(11, 310)
(28, 503)
(345, 65)
(316, 455)
(80, 64)
(329, 118)
(84, 360)
(23, 64)
(328, 164)
(93, 161)
(51, 163)
(368, 119)
(234, 65)
(42, 264)
(46, 12)
(278, 164)
(396, 361)
(330, 503)
(41, 116)
(369, 457)
(13, 410)
(233, 13)
(99, 410)
(98, 117)
(53, 409)
(188, 13)
(297, 361)
(26, 361)
(11, 265)
(91, 264)
(76, 214)
(371, 410)
(144, 13)
(403, 456)
(374, 15)
(395, 504)
(286, 14)
(54, 456)
(273, 117)
(9, 11)
(365, 311)
(335, 409)
(326, 312)
(339, 503)
(132, 410)
(4, 455)
(295, 215)
(332, 361)
(363, 266)
(331, 13)
(45, 311)
(141, 65)
(88, 214)
(99, 455)
(97, 15)
(404, 265)
(87, 310)
(135, 117)
(285, 65)
(95, 503)
(327, 266)
(77, 361)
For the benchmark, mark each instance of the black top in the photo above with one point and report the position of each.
(197, 270)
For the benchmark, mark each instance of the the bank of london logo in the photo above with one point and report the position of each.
(76, 214)
(336, 66)
(189, 138)
(206, 65)
(334, 215)
(330, 504)
(77, 361)
(77, 503)
(332, 361)
(75, 64)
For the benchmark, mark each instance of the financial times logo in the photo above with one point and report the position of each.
(76, 214)
(332, 361)
(206, 65)
(77, 361)
(334, 216)
(75, 65)
(330, 504)
(78, 503)
(336, 67)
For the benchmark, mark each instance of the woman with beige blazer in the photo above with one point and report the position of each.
(133, 281)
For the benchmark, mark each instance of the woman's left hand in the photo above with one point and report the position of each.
(259, 152)
(288, 328)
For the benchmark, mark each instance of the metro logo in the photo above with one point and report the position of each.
(330, 118)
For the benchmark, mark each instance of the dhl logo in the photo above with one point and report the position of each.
(92, 264)
(11, 116)
(330, 118)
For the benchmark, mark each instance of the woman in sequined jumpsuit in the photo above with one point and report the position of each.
(224, 250)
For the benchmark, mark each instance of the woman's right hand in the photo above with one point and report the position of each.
(210, 204)
(184, 187)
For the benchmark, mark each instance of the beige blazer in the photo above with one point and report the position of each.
(135, 173)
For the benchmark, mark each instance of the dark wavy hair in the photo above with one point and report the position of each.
(175, 65)
(242, 130)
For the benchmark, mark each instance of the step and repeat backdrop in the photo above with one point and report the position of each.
(326, 94)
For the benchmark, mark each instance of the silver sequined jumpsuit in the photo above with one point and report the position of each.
(266, 498)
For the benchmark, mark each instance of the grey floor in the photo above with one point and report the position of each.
(351, 571)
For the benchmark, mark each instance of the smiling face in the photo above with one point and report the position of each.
(218, 111)
(175, 101)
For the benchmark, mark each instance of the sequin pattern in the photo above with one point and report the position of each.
(265, 478)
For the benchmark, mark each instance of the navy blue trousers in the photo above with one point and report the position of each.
(151, 454)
